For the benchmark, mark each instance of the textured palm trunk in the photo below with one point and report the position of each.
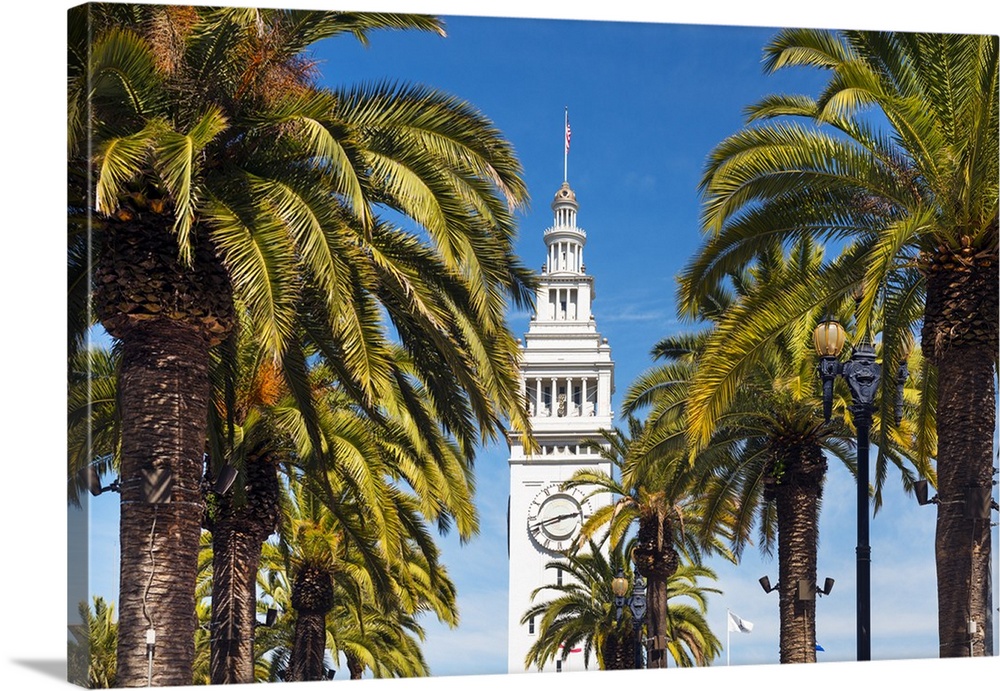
(312, 598)
(235, 559)
(657, 560)
(242, 525)
(355, 667)
(167, 316)
(618, 651)
(308, 647)
(797, 495)
(164, 389)
(960, 337)
(656, 622)
(962, 540)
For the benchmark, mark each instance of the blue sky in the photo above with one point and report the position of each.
(646, 104)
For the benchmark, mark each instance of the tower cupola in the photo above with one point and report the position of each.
(564, 239)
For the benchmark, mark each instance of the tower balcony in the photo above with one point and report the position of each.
(564, 229)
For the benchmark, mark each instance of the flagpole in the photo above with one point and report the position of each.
(565, 147)
(729, 633)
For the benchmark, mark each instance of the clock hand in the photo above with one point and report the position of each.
(554, 519)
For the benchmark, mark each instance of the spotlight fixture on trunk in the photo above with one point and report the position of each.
(269, 618)
(219, 483)
(93, 480)
(978, 502)
(227, 476)
(765, 583)
(808, 590)
(920, 489)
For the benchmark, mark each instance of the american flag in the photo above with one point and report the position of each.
(567, 135)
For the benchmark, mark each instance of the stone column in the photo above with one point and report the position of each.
(603, 394)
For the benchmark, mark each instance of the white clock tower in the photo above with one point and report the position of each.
(567, 378)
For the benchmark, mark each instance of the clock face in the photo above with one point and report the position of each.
(555, 517)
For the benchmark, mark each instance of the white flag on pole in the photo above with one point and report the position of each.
(741, 625)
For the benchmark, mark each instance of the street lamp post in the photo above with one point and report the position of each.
(636, 603)
(862, 375)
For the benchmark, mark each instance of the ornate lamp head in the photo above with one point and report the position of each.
(829, 338)
(619, 584)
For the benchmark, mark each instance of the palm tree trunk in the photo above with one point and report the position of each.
(966, 420)
(243, 524)
(797, 495)
(312, 598)
(657, 560)
(355, 666)
(960, 337)
(235, 560)
(164, 390)
(308, 647)
(618, 649)
(657, 622)
(167, 315)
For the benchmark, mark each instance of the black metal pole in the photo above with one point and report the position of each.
(637, 626)
(864, 549)
(862, 374)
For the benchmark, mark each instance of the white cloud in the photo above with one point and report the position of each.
(640, 183)
(633, 313)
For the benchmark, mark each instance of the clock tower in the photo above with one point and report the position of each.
(567, 378)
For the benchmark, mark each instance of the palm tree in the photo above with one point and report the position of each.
(913, 195)
(386, 638)
(262, 636)
(267, 426)
(241, 519)
(654, 495)
(383, 639)
(222, 173)
(201, 670)
(238, 521)
(312, 592)
(91, 660)
(363, 457)
(767, 459)
(270, 431)
(581, 613)
(352, 593)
